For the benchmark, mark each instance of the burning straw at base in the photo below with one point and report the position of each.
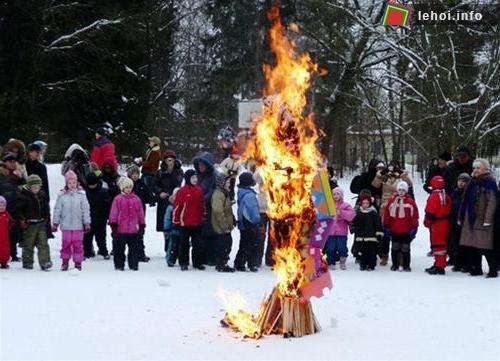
(284, 148)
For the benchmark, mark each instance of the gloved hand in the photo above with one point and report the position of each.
(412, 233)
(141, 228)
(54, 227)
(86, 228)
(114, 229)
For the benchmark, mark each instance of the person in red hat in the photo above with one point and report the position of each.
(437, 219)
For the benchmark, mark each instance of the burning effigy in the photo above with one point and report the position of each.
(284, 146)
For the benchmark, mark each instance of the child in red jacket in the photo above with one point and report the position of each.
(188, 216)
(437, 219)
(401, 222)
(6, 223)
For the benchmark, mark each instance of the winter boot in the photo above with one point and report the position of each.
(253, 269)
(4, 266)
(78, 266)
(435, 270)
(28, 266)
(342, 263)
(406, 261)
(184, 268)
(395, 261)
(384, 259)
(15, 259)
(65, 265)
(47, 266)
(492, 274)
(144, 259)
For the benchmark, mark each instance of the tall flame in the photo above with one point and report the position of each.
(286, 152)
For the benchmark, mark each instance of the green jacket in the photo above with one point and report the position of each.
(222, 212)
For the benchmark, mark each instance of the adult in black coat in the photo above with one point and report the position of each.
(34, 166)
(462, 163)
(100, 204)
(365, 179)
(110, 178)
(169, 177)
(442, 170)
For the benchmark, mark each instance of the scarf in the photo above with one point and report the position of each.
(399, 205)
(473, 193)
(442, 196)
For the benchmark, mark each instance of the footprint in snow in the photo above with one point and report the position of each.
(163, 283)
(333, 322)
(361, 314)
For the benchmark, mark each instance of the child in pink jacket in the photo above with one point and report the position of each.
(127, 223)
(338, 230)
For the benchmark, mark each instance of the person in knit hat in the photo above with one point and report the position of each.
(401, 222)
(146, 196)
(188, 217)
(72, 215)
(248, 224)
(32, 214)
(127, 222)
(99, 200)
(6, 223)
(442, 170)
(367, 232)
(338, 230)
(437, 219)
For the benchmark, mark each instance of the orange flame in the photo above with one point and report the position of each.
(237, 317)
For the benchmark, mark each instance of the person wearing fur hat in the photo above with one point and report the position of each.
(77, 160)
(6, 223)
(127, 222)
(476, 216)
(248, 224)
(188, 216)
(10, 179)
(437, 219)
(338, 230)
(387, 180)
(456, 254)
(145, 195)
(367, 233)
(169, 177)
(222, 221)
(104, 150)
(32, 213)
(442, 170)
(18, 149)
(99, 200)
(171, 233)
(72, 215)
(151, 161)
(401, 223)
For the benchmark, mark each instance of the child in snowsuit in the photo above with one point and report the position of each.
(222, 221)
(338, 230)
(146, 196)
(188, 216)
(231, 166)
(401, 222)
(248, 224)
(367, 232)
(32, 214)
(127, 223)
(171, 232)
(355, 248)
(455, 251)
(72, 214)
(6, 223)
(100, 203)
(437, 219)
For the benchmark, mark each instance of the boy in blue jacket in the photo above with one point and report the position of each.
(248, 224)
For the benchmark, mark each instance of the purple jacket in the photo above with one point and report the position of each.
(345, 214)
(127, 212)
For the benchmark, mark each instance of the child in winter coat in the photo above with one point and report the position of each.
(248, 224)
(145, 194)
(356, 246)
(367, 233)
(231, 166)
(100, 203)
(437, 219)
(33, 214)
(401, 222)
(338, 230)
(456, 253)
(72, 214)
(127, 223)
(6, 223)
(171, 232)
(222, 221)
(188, 216)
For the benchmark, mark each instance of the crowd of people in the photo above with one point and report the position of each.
(194, 211)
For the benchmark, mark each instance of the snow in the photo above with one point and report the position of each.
(163, 313)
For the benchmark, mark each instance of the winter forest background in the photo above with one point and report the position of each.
(177, 69)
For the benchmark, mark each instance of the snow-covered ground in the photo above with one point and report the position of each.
(163, 313)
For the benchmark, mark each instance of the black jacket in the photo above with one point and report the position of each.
(9, 184)
(31, 206)
(443, 172)
(456, 169)
(367, 225)
(111, 183)
(40, 169)
(165, 182)
(365, 179)
(144, 193)
(100, 204)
